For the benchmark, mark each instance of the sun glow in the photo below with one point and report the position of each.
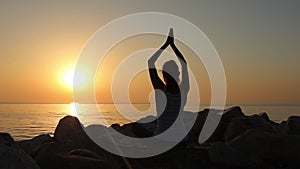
(69, 81)
(68, 78)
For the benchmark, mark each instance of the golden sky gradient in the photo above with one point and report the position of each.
(258, 43)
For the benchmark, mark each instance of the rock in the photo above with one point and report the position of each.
(274, 148)
(49, 156)
(84, 153)
(280, 128)
(176, 158)
(125, 129)
(5, 138)
(34, 143)
(70, 134)
(68, 129)
(227, 116)
(115, 126)
(224, 156)
(12, 156)
(80, 162)
(239, 125)
(148, 119)
(231, 113)
(143, 130)
(265, 145)
(293, 125)
(291, 150)
(46, 156)
(239, 141)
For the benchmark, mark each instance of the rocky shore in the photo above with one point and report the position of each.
(239, 141)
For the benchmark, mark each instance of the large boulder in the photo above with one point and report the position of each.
(226, 117)
(71, 135)
(232, 113)
(12, 156)
(70, 131)
(293, 125)
(5, 138)
(238, 126)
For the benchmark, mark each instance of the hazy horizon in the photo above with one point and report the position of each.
(200, 104)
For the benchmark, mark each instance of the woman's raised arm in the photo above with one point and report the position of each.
(185, 83)
(157, 83)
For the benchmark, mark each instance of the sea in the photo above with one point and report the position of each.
(25, 121)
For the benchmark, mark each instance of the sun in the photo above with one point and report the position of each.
(68, 78)
(69, 81)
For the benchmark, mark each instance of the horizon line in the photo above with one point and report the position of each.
(203, 104)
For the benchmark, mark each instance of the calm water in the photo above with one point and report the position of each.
(24, 121)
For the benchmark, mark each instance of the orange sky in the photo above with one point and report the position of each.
(258, 43)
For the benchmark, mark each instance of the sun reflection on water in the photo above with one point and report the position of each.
(74, 109)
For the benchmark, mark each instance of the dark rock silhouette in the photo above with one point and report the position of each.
(293, 125)
(239, 141)
(34, 143)
(239, 125)
(225, 156)
(12, 156)
(70, 134)
(51, 156)
(227, 117)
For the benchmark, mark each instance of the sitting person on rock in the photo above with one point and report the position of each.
(170, 93)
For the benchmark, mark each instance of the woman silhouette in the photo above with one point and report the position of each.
(170, 94)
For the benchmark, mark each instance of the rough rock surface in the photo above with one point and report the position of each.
(34, 143)
(12, 156)
(239, 125)
(293, 125)
(238, 141)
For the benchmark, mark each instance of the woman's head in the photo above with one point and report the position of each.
(170, 72)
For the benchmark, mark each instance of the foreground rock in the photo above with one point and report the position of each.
(34, 143)
(293, 125)
(238, 126)
(226, 117)
(238, 141)
(12, 156)
(70, 135)
(49, 156)
(225, 156)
